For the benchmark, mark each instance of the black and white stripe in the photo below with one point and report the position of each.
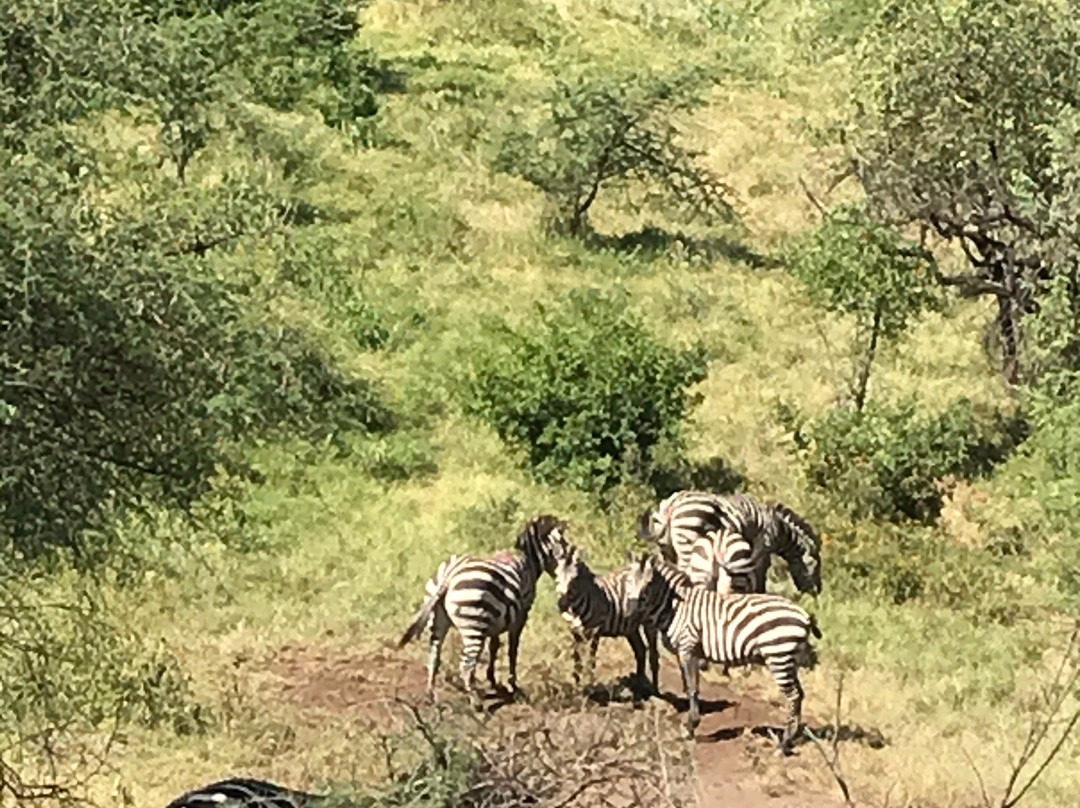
(721, 561)
(602, 606)
(241, 792)
(484, 598)
(772, 529)
(697, 624)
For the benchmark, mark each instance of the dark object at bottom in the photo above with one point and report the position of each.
(241, 792)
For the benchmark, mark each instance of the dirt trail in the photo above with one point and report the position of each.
(736, 763)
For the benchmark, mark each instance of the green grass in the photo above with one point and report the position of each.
(336, 550)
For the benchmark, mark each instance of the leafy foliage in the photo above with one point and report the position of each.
(126, 368)
(72, 677)
(888, 461)
(586, 392)
(603, 133)
(184, 62)
(854, 265)
(957, 108)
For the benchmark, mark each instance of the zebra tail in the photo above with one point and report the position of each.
(814, 627)
(423, 614)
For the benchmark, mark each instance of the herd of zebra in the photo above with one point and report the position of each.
(702, 594)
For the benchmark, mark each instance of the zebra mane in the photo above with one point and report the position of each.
(803, 534)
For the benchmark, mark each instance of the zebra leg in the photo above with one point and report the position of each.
(591, 672)
(492, 654)
(473, 644)
(515, 640)
(440, 624)
(688, 662)
(634, 638)
(786, 674)
(654, 658)
(578, 640)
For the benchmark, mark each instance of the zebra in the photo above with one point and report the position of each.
(602, 606)
(684, 517)
(697, 624)
(484, 598)
(241, 792)
(722, 561)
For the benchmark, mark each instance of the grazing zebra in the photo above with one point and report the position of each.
(697, 624)
(239, 792)
(483, 598)
(685, 516)
(599, 607)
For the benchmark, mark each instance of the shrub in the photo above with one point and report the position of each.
(887, 461)
(600, 133)
(585, 391)
(73, 679)
(129, 366)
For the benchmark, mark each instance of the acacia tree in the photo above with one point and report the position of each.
(602, 133)
(953, 125)
(853, 265)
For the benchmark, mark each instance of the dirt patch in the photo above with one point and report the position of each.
(735, 757)
(340, 680)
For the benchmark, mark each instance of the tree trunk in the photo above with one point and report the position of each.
(863, 379)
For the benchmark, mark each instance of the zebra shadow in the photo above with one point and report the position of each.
(705, 706)
(845, 733)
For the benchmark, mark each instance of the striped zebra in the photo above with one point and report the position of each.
(599, 607)
(721, 561)
(697, 624)
(484, 598)
(240, 792)
(772, 529)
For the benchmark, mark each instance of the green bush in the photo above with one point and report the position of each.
(71, 676)
(129, 366)
(584, 391)
(887, 461)
(901, 564)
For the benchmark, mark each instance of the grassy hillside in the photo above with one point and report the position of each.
(425, 246)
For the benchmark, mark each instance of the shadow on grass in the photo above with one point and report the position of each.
(652, 242)
(714, 474)
(871, 738)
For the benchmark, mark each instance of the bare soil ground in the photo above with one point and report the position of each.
(735, 760)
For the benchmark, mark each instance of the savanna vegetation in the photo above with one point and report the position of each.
(298, 297)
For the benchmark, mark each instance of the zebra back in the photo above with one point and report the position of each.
(741, 629)
(722, 561)
(240, 792)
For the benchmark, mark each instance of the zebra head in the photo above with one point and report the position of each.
(655, 525)
(640, 575)
(539, 538)
(802, 549)
(569, 569)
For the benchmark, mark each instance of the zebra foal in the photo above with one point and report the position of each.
(484, 598)
(602, 606)
(698, 625)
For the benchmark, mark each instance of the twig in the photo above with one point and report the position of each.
(812, 198)
(979, 777)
